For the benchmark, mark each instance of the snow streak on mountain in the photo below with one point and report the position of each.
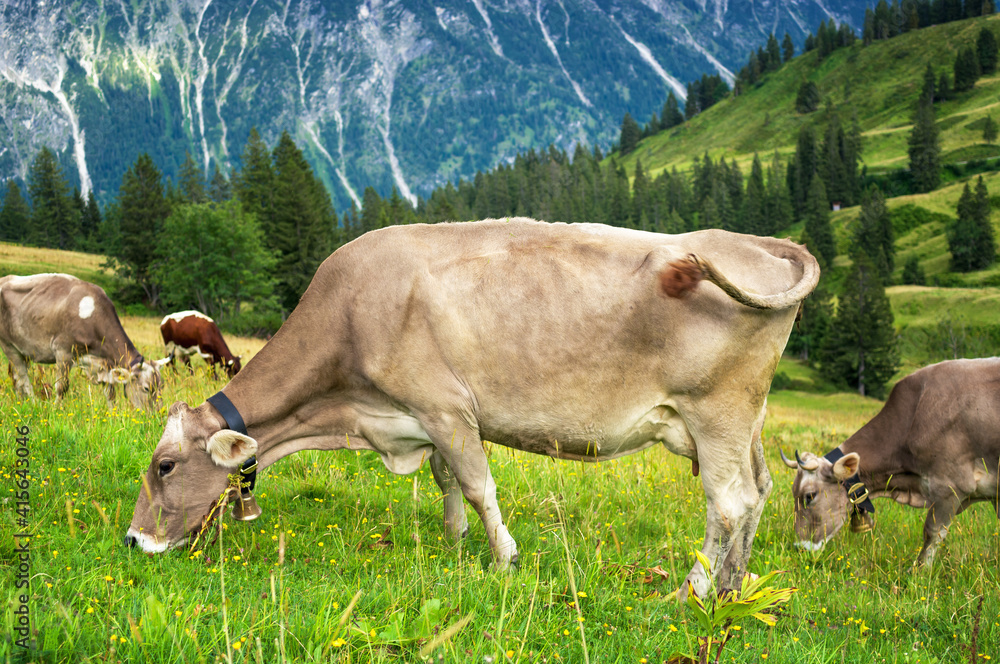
(384, 93)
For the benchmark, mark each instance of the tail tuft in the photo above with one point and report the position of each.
(681, 277)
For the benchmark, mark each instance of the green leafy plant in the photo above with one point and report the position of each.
(720, 614)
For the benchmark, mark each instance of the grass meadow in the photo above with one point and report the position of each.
(348, 562)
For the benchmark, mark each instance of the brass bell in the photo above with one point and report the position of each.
(862, 522)
(245, 508)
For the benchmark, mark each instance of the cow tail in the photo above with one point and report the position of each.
(682, 277)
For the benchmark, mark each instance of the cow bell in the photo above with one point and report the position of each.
(862, 522)
(245, 508)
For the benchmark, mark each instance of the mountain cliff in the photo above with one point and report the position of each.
(404, 93)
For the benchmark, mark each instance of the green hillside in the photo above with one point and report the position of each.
(879, 82)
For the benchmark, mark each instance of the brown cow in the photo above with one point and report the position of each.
(419, 342)
(187, 333)
(59, 319)
(934, 444)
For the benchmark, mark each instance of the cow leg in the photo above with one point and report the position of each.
(462, 450)
(18, 368)
(936, 528)
(730, 479)
(736, 564)
(64, 361)
(456, 524)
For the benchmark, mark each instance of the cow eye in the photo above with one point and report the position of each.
(166, 467)
(808, 499)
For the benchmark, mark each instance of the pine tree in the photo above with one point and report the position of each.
(802, 168)
(641, 203)
(778, 204)
(966, 70)
(989, 130)
(815, 318)
(817, 218)
(753, 216)
(986, 51)
(860, 347)
(143, 209)
(873, 234)
(219, 188)
(192, 181)
(371, 206)
(808, 98)
(970, 238)
(927, 92)
(773, 53)
(15, 214)
(303, 222)
(925, 149)
(630, 135)
(943, 90)
(254, 183)
(55, 220)
(787, 48)
(671, 116)
(913, 274)
(90, 222)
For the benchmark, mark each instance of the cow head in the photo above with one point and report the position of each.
(820, 498)
(188, 473)
(233, 366)
(142, 382)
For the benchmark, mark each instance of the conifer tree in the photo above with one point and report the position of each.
(303, 222)
(55, 220)
(630, 135)
(773, 53)
(966, 70)
(641, 203)
(925, 149)
(817, 218)
(802, 168)
(753, 216)
(927, 92)
(90, 221)
(943, 90)
(671, 116)
(873, 234)
(778, 204)
(15, 214)
(254, 183)
(989, 130)
(971, 239)
(219, 188)
(986, 51)
(143, 208)
(371, 206)
(913, 274)
(192, 181)
(860, 348)
(815, 318)
(787, 48)
(808, 98)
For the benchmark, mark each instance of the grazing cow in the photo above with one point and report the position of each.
(934, 444)
(187, 333)
(57, 318)
(581, 342)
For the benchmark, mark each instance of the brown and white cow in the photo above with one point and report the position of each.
(581, 342)
(935, 444)
(59, 319)
(188, 333)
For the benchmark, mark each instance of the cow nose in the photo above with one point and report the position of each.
(130, 541)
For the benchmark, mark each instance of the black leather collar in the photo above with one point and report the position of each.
(857, 493)
(234, 421)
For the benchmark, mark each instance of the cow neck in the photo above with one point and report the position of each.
(120, 349)
(857, 489)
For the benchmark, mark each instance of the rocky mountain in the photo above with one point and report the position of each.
(404, 93)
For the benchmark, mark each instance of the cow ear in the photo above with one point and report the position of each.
(230, 449)
(846, 466)
(159, 364)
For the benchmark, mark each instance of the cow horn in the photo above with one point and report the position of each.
(788, 462)
(811, 466)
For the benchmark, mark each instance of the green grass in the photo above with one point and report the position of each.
(350, 526)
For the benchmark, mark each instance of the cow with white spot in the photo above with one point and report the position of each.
(59, 319)
(190, 333)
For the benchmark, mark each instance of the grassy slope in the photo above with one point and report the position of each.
(879, 83)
